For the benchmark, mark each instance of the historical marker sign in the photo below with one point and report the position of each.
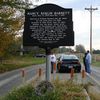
(48, 25)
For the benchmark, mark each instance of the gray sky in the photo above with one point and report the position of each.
(81, 20)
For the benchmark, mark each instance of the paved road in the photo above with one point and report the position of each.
(13, 79)
(96, 73)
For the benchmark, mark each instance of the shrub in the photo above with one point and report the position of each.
(62, 90)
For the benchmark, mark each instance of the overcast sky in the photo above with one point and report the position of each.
(81, 20)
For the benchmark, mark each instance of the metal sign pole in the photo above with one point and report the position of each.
(35, 29)
(48, 64)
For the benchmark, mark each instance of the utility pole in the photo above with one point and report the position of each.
(91, 9)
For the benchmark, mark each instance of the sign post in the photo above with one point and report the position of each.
(48, 26)
(48, 64)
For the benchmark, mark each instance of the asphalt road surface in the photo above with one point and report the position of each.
(13, 79)
(96, 73)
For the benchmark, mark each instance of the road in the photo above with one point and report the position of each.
(13, 79)
(96, 73)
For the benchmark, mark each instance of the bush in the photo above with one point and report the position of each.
(66, 90)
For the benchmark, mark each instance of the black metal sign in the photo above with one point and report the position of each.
(48, 25)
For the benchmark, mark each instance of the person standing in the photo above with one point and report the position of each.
(84, 61)
(88, 62)
(53, 61)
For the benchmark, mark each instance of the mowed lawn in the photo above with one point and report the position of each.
(19, 62)
(96, 60)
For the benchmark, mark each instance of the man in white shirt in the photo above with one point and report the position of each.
(53, 60)
(88, 62)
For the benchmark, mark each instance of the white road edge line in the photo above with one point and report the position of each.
(8, 80)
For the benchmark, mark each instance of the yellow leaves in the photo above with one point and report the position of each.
(5, 40)
(16, 25)
(10, 24)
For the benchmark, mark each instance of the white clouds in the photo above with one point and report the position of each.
(60, 1)
(82, 28)
(81, 20)
(96, 20)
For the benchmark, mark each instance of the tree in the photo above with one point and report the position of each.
(64, 49)
(10, 23)
(96, 51)
(80, 48)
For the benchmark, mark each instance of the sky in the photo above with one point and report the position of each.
(81, 20)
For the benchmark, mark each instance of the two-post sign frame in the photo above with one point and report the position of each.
(48, 25)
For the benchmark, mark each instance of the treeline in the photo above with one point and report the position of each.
(11, 22)
(96, 51)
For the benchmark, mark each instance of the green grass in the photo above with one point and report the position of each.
(96, 63)
(19, 62)
(65, 90)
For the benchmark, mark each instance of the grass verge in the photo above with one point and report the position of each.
(63, 90)
(96, 63)
(19, 62)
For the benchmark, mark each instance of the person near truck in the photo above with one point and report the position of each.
(53, 61)
(88, 62)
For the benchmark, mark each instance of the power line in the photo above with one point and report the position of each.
(91, 9)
